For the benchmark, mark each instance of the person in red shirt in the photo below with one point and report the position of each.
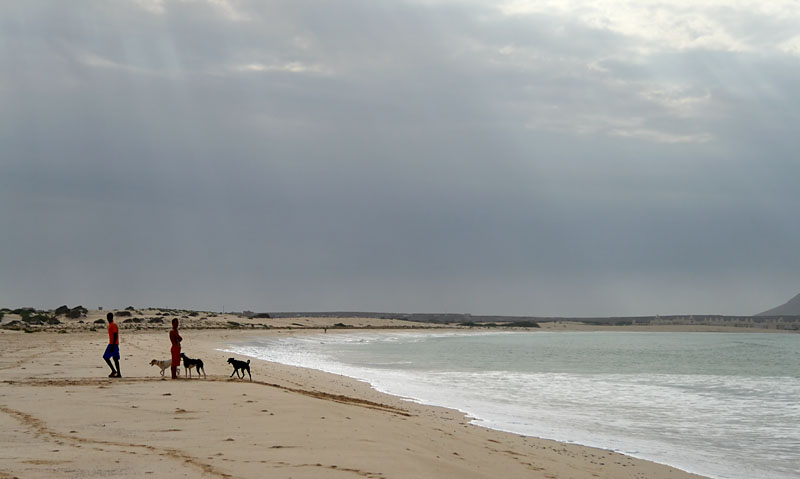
(175, 338)
(112, 350)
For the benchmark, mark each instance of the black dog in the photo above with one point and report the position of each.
(237, 365)
(189, 363)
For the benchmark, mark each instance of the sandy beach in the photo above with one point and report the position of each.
(62, 417)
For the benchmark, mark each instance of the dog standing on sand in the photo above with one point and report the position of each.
(189, 363)
(240, 365)
(164, 364)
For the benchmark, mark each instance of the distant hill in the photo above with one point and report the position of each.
(791, 308)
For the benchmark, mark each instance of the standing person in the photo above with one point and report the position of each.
(175, 338)
(112, 350)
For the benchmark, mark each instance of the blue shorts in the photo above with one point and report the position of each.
(112, 351)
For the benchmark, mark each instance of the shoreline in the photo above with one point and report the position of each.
(471, 418)
(484, 421)
(289, 422)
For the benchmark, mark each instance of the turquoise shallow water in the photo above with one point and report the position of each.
(722, 405)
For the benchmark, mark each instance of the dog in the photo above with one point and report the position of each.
(189, 363)
(237, 365)
(164, 364)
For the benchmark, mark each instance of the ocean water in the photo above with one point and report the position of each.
(722, 405)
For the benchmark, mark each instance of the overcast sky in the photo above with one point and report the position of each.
(571, 158)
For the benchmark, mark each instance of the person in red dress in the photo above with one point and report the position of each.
(175, 338)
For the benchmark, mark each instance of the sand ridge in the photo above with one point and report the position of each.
(104, 382)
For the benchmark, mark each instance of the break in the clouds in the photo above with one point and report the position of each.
(517, 157)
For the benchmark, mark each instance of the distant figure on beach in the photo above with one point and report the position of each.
(112, 350)
(175, 338)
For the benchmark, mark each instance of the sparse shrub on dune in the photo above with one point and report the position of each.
(14, 325)
(525, 324)
(77, 312)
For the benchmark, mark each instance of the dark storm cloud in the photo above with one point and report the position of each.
(434, 156)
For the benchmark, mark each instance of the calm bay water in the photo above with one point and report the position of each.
(723, 405)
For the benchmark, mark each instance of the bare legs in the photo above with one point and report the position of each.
(115, 373)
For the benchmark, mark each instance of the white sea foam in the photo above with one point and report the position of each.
(725, 406)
